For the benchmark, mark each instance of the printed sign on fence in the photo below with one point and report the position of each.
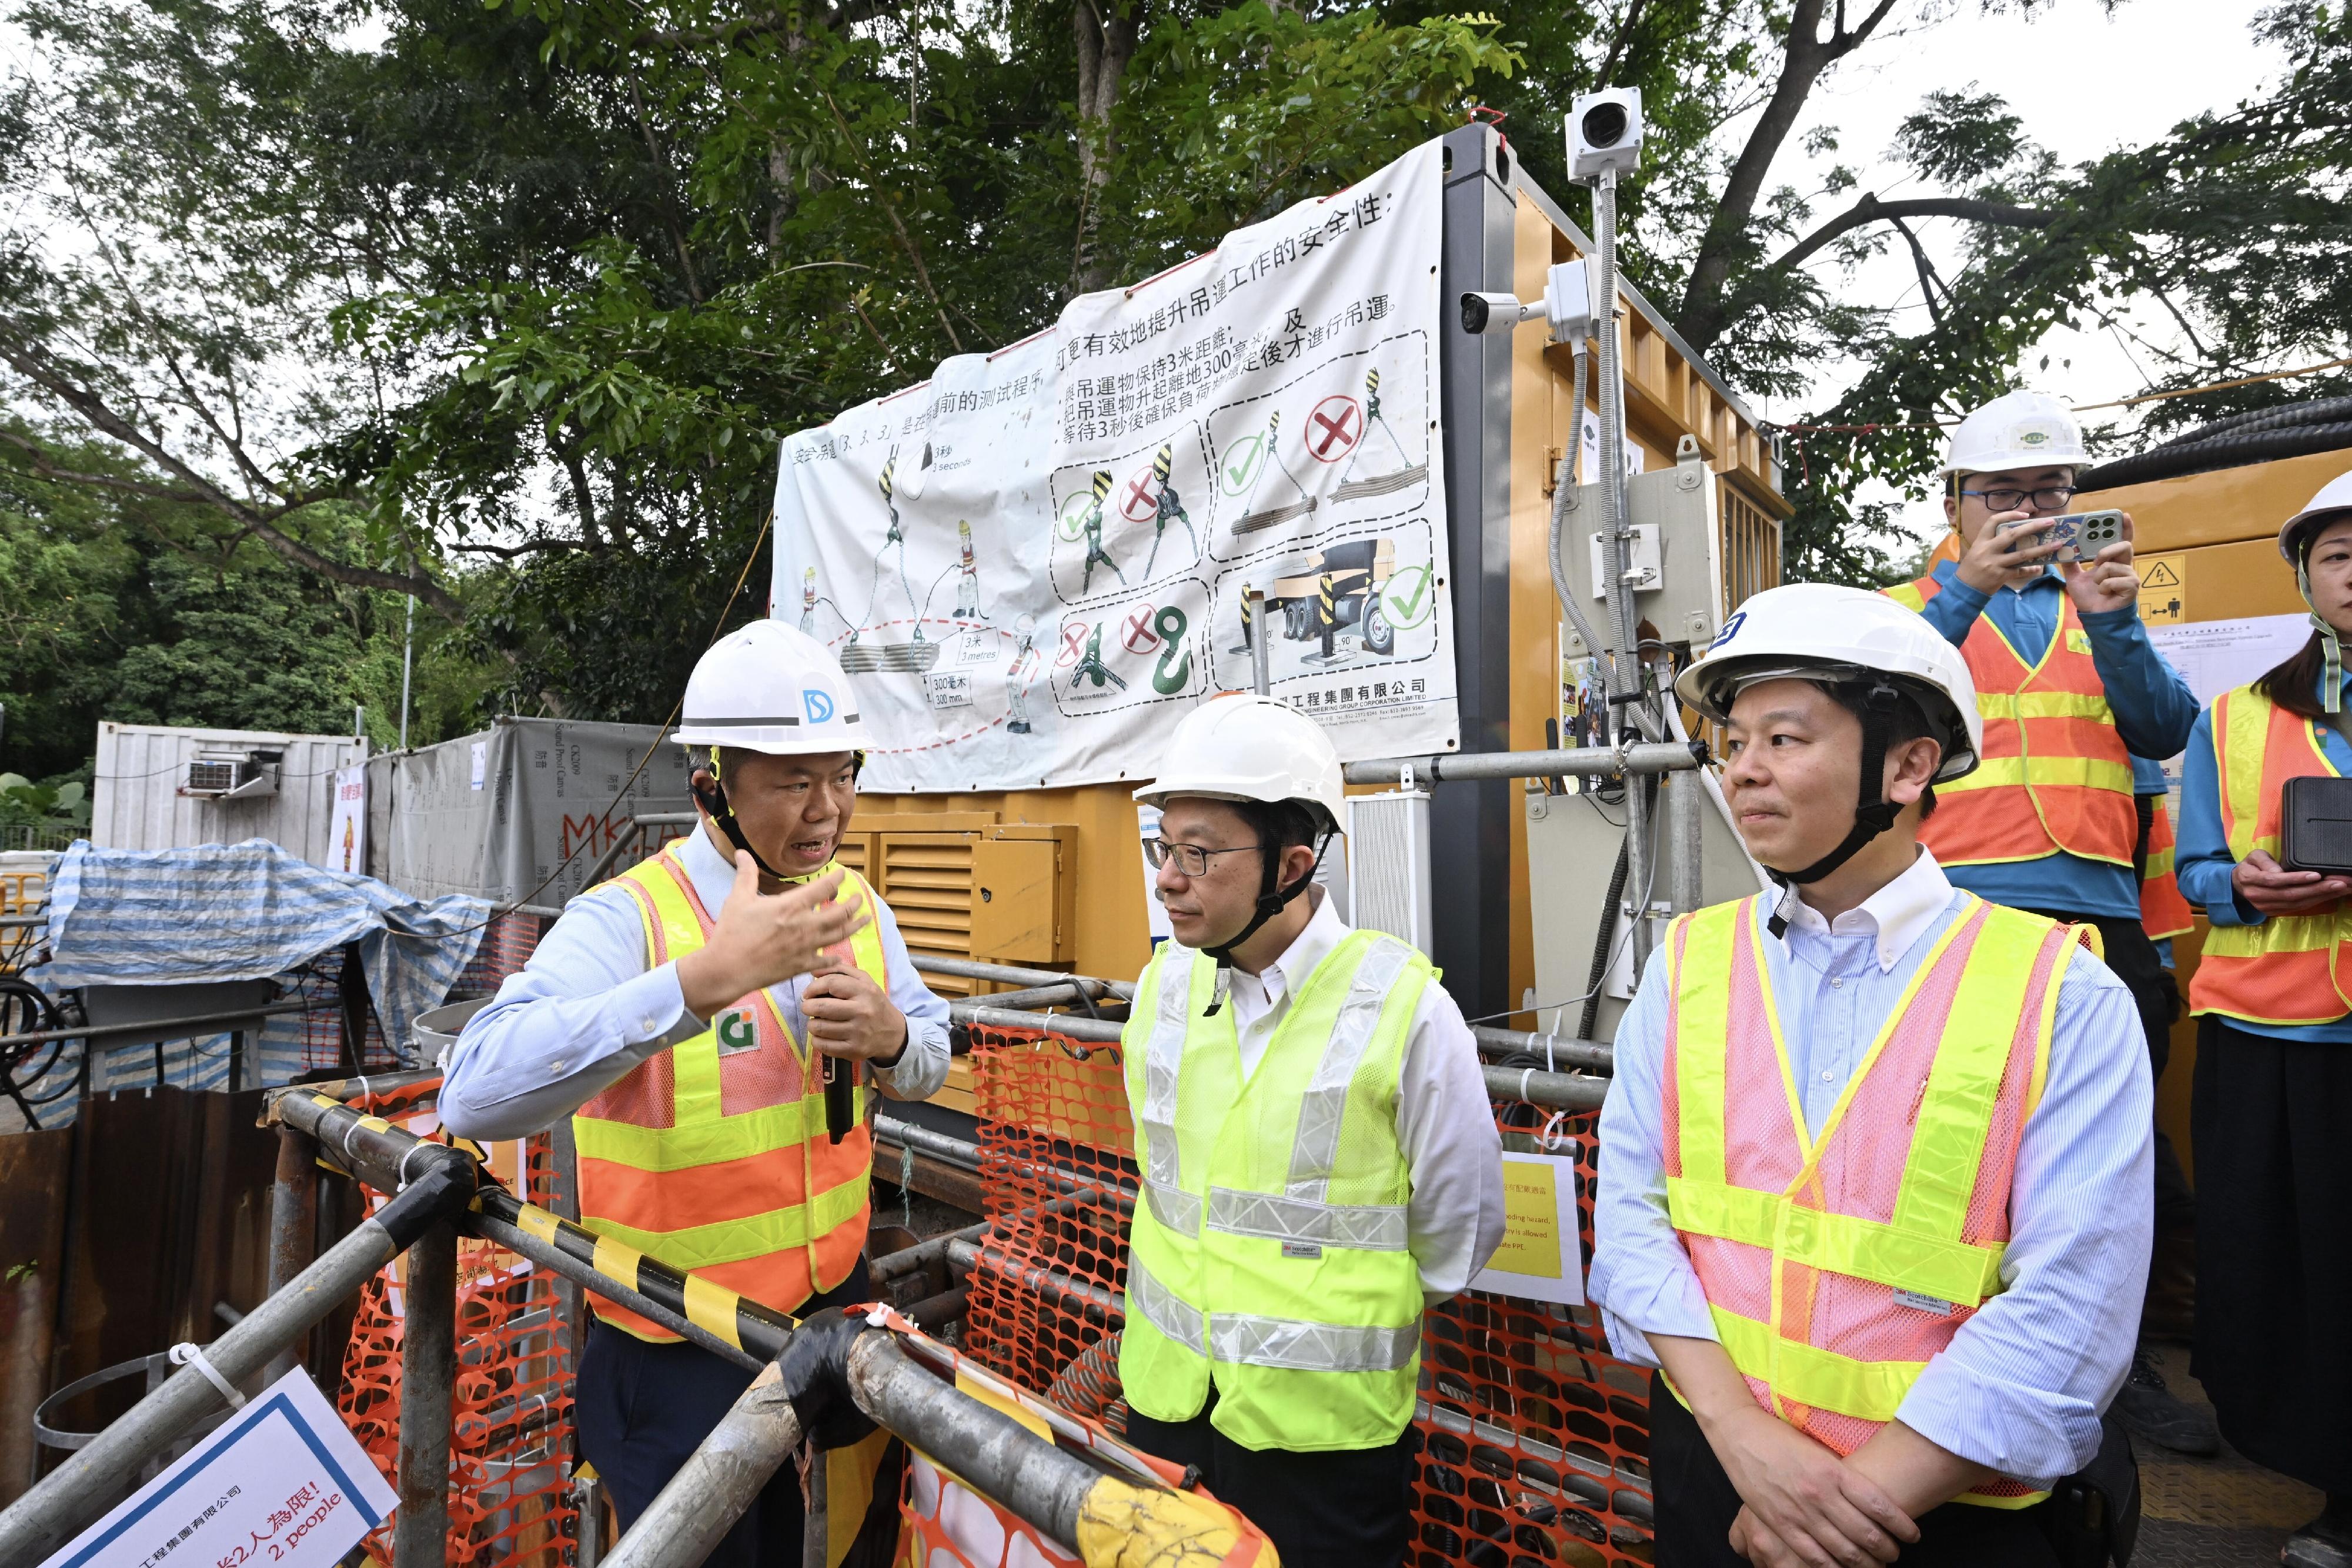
(1542, 1256)
(1033, 563)
(282, 1484)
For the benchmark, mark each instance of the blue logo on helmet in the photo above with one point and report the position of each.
(817, 703)
(1730, 629)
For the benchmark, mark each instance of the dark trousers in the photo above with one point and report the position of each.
(642, 1408)
(2273, 1126)
(2133, 957)
(1347, 1509)
(1696, 1503)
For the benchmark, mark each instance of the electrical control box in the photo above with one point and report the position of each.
(1675, 556)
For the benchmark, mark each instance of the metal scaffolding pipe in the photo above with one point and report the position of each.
(1097, 1302)
(91, 1482)
(1569, 1051)
(1553, 1090)
(1061, 993)
(209, 1023)
(428, 1371)
(1009, 974)
(1101, 1031)
(989, 1450)
(720, 1479)
(1604, 761)
(922, 1254)
(923, 1141)
(293, 1225)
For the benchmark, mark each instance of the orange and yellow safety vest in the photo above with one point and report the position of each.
(2162, 909)
(2053, 774)
(1836, 1265)
(712, 1156)
(2290, 968)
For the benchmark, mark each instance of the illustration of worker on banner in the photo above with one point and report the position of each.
(967, 604)
(1168, 505)
(1019, 673)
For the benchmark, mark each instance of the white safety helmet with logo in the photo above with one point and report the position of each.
(770, 688)
(1863, 642)
(1247, 748)
(2015, 430)
(2333, 502)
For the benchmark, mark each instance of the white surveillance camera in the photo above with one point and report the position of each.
(1495, 313)
(1604, 133)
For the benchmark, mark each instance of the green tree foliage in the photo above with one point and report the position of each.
(507, 305)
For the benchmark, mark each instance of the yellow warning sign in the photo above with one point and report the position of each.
(2163, 588)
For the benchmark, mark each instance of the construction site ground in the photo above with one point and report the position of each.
(2223, 1512)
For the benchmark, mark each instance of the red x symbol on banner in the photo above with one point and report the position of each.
(1333, 428)
(1138, 635)
(1141, 502)
(1073, 644)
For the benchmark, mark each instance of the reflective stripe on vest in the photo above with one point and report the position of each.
(2290, 968)
(2162, 909)
(710, 1156)
(1270, 1255)
(1921, 1186)
(2052, 773)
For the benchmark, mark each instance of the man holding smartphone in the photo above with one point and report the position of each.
(2071, 689)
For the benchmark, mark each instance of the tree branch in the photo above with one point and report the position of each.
(511, 552)
(1871, 210)
(845, 15)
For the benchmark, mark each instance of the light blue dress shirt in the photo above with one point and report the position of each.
(2154, 709)
(587, 1009)
(2203, 862)
(2021, 1384)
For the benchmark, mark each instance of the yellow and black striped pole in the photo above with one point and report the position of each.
(1330, 617)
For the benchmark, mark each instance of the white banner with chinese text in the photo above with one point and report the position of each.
(1033, 563)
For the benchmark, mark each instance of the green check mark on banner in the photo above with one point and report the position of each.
(1240, 464)
(1408, 597)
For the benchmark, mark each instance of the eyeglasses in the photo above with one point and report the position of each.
(2048, 500)
(1191, 858)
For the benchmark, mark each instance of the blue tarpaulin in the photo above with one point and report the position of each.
(251, 911)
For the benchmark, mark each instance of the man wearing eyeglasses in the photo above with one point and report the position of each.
(2071, 689)
(1318, 1158)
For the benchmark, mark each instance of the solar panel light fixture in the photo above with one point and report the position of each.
(1604, 133)
(238, 775)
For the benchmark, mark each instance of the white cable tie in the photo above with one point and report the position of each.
(413, 1149)
(1525, 1073)
(364, 1088)
(186, 1354)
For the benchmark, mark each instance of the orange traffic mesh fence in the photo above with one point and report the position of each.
(1534, 1440)
(1057, 1179)
(508, 942)
(510, 1450)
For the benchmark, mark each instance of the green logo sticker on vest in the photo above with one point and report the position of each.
(738, 1032)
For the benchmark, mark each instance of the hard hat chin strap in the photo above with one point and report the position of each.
(1272, 899)
(2331, 649)
(1873, 813)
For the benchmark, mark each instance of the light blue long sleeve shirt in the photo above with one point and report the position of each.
(2154, 710)
(587, 1009)
(2203, 863)
(2021, 1384)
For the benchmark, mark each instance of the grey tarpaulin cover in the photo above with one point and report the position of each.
(250, 911)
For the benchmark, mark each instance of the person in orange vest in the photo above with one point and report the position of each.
(2071, 689)
(1873, 1168)
(683, 1015)
(2271, 1100)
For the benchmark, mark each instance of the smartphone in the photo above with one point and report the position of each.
(2077, 534)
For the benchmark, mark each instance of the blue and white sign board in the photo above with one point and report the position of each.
(282, 1484)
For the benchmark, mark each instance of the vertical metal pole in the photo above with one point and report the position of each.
(1261, 653)
(293, 1225)
(428, 1369)
(407, 654)
(1686, 799)
(1625, 657)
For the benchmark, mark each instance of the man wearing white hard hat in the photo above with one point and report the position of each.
(1873, 1173)
(1318, 1158)
(2071, 689)
(685, 1016)
(2271, 1100)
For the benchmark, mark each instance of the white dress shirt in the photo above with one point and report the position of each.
(1444, 1120)
(587, 1009)
(2021, 1384)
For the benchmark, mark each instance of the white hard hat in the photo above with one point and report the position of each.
(1240, 747)
(2335, 495)
(2015, 430)
(773, 688)
(1818, 631)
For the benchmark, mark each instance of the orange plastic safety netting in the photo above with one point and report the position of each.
(510, 1448)
(1534, 1440)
